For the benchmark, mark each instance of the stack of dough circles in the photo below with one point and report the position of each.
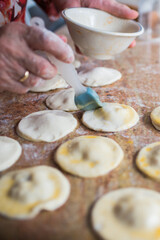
(10, 151)
(128, 214)
(47, 125)
(24, 193)
(89, 156)
(111, 117)
(148, 160)
(99, 76)
(62, 100)
(47, 85)
(155, 117)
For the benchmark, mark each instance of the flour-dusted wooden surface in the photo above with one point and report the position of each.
(139, 88)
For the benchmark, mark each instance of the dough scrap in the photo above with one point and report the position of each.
(155, 118)
(77, 63)
(89, 156)
(128, 214)
(47, 125)
(10, 151)
(112, 117)
(24, 193)
(99, 76)
(62, 100)
(148, 160)
(47, 85)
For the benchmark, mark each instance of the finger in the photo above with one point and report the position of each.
(15, 75)
(13, 86)
(63, 37)
(38, 65)
(133, 44)
(14, 70)
(115, 8)
(31, 81)
(120, 10)
(42, 39)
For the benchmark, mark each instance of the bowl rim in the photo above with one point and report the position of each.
(133, 34)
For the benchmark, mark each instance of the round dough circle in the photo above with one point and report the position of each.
(47, 125)
(112, 117)
(89, 156)
(128, 214)
(99, 76)
(24, 193)
(10, 151)
(62, 100)
(155, 118)
(148, 160)
(51, 84)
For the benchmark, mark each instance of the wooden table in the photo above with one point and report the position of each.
(139, 88)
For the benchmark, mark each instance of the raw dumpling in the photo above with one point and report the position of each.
(128, 214)
(155, 118)
(47, 125)
(99, 76)
(62, 100)
(112, 117)
(47, 85)
(89, 156)
(148, 160)
(10, 151)
(24, 193)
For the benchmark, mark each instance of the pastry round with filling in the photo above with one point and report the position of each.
(47, 125)
(10, 151)
(51, 84)
(89, 156)
(128, 214)
(24, 193)
(155, 118)
(112, 117)
(99, 76)
(148, 160)
(62, 100)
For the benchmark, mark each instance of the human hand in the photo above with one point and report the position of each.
(110, 6)
(17, 54)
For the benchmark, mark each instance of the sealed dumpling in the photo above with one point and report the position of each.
(47, 125)
(155, 118)
(148, 160)
(112, 117)
(99, 76)
(24, 193)
(89, 156)
(128, 214)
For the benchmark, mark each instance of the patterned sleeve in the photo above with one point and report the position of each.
(12, 10)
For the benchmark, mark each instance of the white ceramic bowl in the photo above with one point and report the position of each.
(99, 34)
